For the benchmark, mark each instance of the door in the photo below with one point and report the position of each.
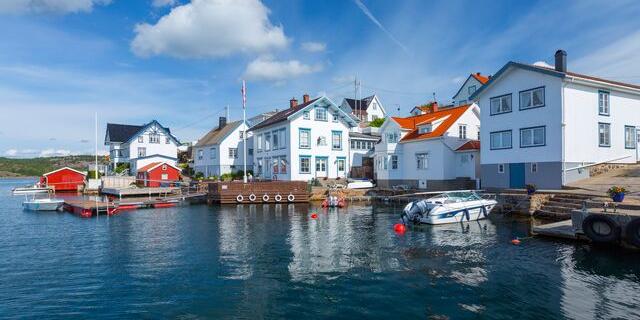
(341, 165)
(321, 167)
(516, 175)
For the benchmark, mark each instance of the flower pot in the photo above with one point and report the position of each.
(617, 197)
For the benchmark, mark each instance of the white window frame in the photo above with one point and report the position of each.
(604, 134)
(233, 153)
(200, 153)
(154, 138)
(462, 131)
(259, 140)
(425, 128)
(304, 143)
(394, 162)
(212, 152)
(422, 161)
(529, 93)
(320, 114)
(306, 115)
(335, 134)
(308, 158)
(142, 152)
(630, 137)
(604, 103)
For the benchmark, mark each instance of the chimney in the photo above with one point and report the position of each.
(293, 103)
(434, 106)
(561, 61)
(222, 121)
(305, 98)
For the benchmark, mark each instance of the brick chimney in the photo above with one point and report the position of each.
(293, 103)
(434, 106)
(305, 98)
(222, 121)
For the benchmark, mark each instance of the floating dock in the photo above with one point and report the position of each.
(89, 208)
(258, 192)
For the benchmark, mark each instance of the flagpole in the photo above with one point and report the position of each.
(244, 135)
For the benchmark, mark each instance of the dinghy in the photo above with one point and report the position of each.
(44, 204)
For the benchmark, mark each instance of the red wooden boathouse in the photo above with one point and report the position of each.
(64, 179)
(158, 174)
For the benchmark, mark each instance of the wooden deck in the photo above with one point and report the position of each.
(261, 192)
(133, 192)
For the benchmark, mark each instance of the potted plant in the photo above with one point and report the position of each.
(531, 188)
(616, 193)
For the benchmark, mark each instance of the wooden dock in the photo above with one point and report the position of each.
(258, 192)
(138, 192)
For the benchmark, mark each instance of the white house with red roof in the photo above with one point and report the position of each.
(436, 150)
(305, 141)
(548, 126)
(158, 174)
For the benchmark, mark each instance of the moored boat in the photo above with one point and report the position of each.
(360, 184)
(44, 204)
(30, 190)
(448, 207)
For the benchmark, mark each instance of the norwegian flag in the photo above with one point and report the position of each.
(244, 95)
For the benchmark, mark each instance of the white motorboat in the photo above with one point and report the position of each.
(31, 190)
(44, 204)
(448, 207)
(360, 184)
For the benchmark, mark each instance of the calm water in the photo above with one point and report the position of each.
(250, 262)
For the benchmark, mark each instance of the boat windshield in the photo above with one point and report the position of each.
(458, 196)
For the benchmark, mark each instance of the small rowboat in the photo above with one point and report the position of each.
(45, 204)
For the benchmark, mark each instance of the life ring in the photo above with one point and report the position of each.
(632, 231)
(278, 197)
(252, 197)
(291, 197)
(239, 198)
(601, 228)
(265, 198)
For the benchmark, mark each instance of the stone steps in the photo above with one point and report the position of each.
(552, 215)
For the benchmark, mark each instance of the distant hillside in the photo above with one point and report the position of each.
(10, 167)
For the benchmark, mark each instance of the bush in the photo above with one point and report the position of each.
(199, 175)
(226, 177)
(121, 167)
(377, 123)
(91, 174)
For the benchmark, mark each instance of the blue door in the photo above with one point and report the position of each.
(516, 175)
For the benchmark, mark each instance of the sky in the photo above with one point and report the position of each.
(182, 61)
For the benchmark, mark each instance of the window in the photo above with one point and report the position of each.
(250, 151)
(305, 138)
(500, 140)
(478, 133)
(386, 162)
(322, 141)
(305, 164)
(603, 103)
(276, 140)
(340, 164)
(462, 131)
(305, 115)
(260, 164)
(259, 143)
(200, 153)
(533, 98)
(336, 140)
(164, 176)
(534, 167)
(375, 107)
(241, 133)
(154, 138)
(212, 153)
(421, 160)
(604, 134)
(167, 140)
(501, 104)
(630, 137)
(394, 162)
(335, 117)
(353, 144)
(501, 168)
(424, 128)
(282, 163)
(393, 137)
(142, 152)
(141, 139)
(471, 90)
(282, 133)
(532, 137)
(321, 114)
(164, 167)
(267, 141)
(233, 153)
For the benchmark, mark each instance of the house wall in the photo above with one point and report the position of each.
(462, 96)
(65, 180)
(221, 163)
(154, 177)
(375, 110)
(162, 148)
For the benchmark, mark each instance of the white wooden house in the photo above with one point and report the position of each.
(365, 110)
(140, 145)
(305, 141)
(221, 150)
(549, 126)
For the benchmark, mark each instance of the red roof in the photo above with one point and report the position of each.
(149, 167)
(480, 77)
(448, 117)
(470, 145)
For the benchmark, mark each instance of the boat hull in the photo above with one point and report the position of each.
(43, 206)
(459, 215)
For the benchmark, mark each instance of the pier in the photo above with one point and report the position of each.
(258, 192)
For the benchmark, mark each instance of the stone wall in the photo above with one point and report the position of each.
(604, 168)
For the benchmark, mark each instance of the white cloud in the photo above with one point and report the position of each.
(210, 28)
(11, 152)
(265, 68)
(49, 6)
(54, 152)
(163, 3)
(314, 46)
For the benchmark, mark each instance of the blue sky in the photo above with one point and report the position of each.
(181, 62)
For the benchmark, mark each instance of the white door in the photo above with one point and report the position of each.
(321, 167)
(341, 167)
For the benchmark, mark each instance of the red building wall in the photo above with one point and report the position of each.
(63, 180)
(153, 177)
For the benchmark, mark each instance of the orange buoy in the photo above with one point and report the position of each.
(314, 216)
(399, 228)
(515, 242)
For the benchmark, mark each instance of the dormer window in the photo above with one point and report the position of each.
(426, 128)
(154, 138)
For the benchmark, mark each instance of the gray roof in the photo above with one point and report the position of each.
(359, 135)
(217, 135)
(121, 132)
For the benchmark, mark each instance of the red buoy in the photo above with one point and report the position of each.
(515, 242)
(399, 228)
(314, 216)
